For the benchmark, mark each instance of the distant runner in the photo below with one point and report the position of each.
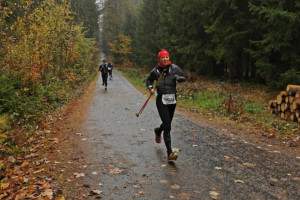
(110, 68)
(166, 97)
(104, 73)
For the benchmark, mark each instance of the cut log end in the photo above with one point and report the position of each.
(293, 88)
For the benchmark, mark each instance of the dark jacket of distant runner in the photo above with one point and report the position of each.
(168, 84)
(103, 68)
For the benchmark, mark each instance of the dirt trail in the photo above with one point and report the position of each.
(117, 154)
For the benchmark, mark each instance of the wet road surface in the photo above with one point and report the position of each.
(124, 162)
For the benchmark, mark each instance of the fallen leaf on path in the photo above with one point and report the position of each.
(78, 175)
(38, 171)
(296, 178)
(95, 192)
(25, 164)
(226, 157)
(137, 186)
(11, 159)
(239, 181)
(163, 181)
(184, 196)
(194, 145)
(273, 180)
(249, 164)
(172, 197)
(94, 173)
(4, 186)
(21, 195)
(214, 194)
(48, 193)
(218, 168)
(176, 187)
(25, 180)
(139, 194)
(100, 184)
(106, 157)
(176, 150)
(193, 131)
(3, 195)
(116, 171)
(164, 165)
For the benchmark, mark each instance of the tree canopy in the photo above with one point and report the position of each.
(245, 40)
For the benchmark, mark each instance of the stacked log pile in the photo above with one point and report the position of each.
(287, 104)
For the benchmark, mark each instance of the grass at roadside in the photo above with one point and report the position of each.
(245, 104)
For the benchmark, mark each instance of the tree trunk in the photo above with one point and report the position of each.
(283, 107)
(291, 99)
(287, 115)
(293, 88)
(292, 117)
(287, 104)
(297, 113)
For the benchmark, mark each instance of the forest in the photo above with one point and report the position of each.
(49, 49)
(254, 41)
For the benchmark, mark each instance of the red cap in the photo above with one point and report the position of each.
(163, 53)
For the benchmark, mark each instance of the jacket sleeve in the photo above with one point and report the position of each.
(152, 77)
(100, 67)
(180, 77)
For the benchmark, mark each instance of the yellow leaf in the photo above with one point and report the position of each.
(176, 187)
(239, 181)
(24, 164)
(3, 186)
(249, 164)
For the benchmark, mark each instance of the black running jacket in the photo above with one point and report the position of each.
(167, 85)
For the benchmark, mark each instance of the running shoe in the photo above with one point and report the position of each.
(173, 156)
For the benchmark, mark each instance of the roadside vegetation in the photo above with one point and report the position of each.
(244, 103)
(47, 57)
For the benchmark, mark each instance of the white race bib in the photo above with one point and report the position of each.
(109, 68)
(168, 99)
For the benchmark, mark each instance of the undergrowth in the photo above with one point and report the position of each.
(242, 102)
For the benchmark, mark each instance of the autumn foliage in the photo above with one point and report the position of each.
(45, 60)
(44, 54)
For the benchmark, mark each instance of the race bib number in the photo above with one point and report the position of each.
(109, 68)
(168, 99)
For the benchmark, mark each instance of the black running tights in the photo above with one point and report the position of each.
(104, 79)
(166, 113)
